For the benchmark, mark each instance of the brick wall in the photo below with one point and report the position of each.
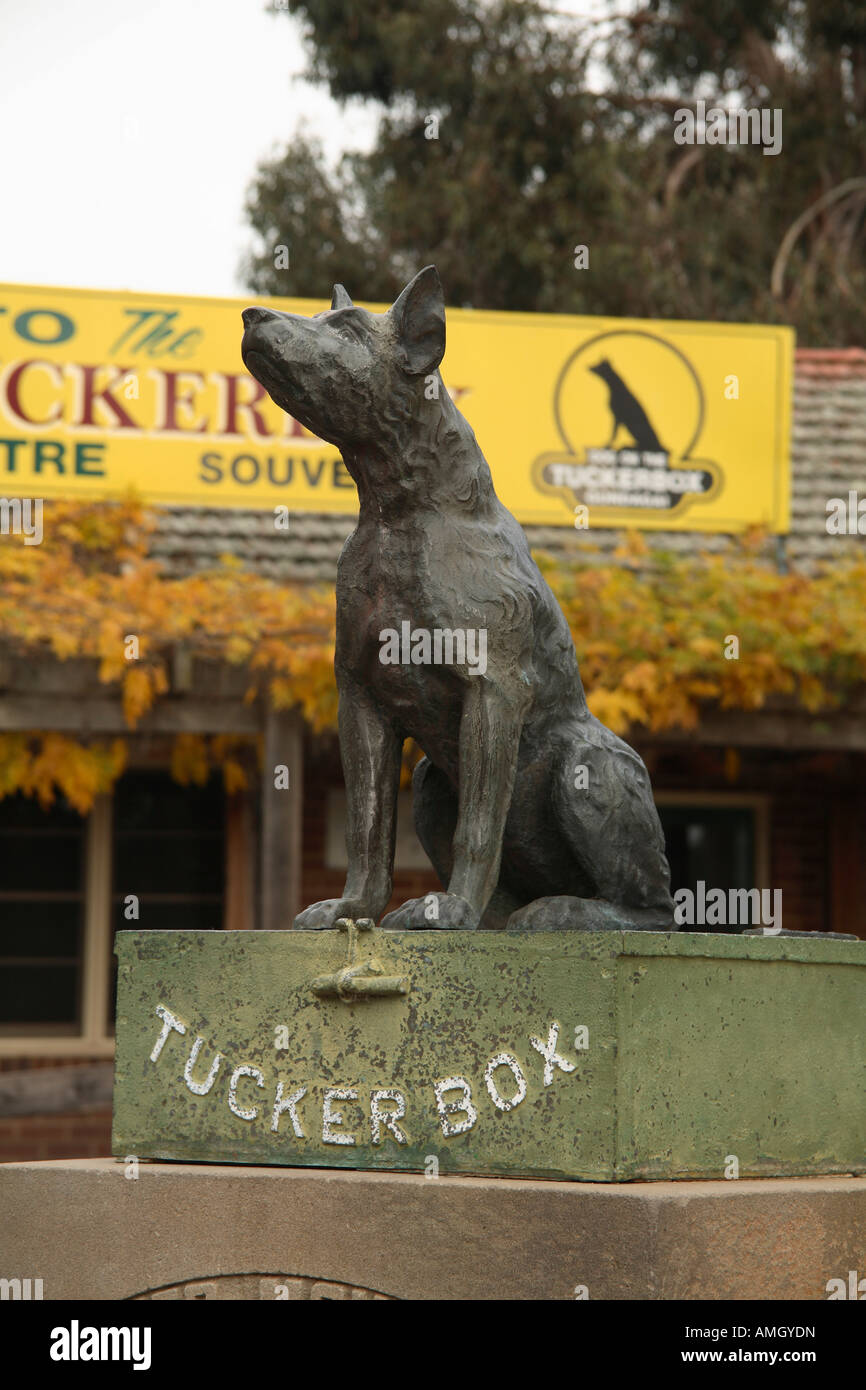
(75, 1121)
(802, 790)
(798, 861)
(34, 1063)
(85, 1135)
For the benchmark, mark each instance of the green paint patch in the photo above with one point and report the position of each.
(597, 1056)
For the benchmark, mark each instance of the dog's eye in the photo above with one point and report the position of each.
(348, 330)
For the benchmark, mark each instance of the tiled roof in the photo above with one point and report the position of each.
(828, 458)
(828, 447)
(190, 538)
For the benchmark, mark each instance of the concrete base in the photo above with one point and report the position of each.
(89, 1231)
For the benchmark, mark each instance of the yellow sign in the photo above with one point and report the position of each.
(584, 421)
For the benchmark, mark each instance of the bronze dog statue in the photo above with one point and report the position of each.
(533, 814)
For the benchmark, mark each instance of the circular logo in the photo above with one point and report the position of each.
(629, 409)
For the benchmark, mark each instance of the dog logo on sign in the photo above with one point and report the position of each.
(629, 409)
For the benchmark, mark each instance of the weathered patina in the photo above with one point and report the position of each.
(530, 810)
(608, 1056)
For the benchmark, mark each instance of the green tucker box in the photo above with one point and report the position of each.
(609, 1056)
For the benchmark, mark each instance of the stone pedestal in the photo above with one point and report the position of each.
(89, 1229)
(609, 1056)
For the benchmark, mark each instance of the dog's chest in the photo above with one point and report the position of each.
(401, 630)
(387, 579)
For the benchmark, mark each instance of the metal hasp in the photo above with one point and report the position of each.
(357, 979)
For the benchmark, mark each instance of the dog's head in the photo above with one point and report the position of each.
(602, 369)
(340, 371)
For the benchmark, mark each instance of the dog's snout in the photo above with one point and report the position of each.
(256, 315)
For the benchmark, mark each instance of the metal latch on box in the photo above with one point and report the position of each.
(358, 979)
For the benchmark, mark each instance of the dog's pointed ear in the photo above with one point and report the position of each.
(419, 316)
(340, 299)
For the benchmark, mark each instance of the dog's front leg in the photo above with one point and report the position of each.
(489, 742)
(490, 729)
(371, 751)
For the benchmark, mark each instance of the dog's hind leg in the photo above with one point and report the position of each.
(609, 822)
(434, 810)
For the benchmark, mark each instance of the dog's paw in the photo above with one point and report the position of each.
(325, 915)
(445, 910)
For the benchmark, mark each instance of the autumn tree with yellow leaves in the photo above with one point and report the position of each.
(650, 630)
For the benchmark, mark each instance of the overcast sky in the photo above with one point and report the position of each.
(130, 129)
(129, 133)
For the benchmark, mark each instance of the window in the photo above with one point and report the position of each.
(719, 839)
(168, 853)
(65, 888)
(168, 856)
(42, 866)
